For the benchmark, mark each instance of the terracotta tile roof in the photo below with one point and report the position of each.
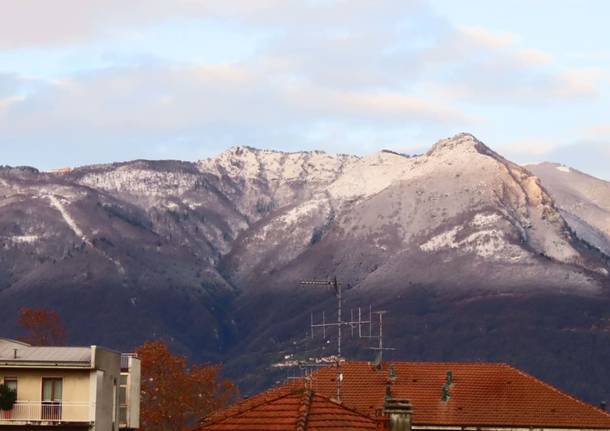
(288, 409)
(481, 394)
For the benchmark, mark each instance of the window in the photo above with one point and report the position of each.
(51, 389)
(114, 395)
(11, 383)
(123, 400)
(51, 398)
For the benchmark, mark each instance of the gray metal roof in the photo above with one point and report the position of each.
(27, 353)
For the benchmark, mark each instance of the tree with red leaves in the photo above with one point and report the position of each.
(44, 327)
(175, 396)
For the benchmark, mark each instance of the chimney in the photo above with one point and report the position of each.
(15, 354)
(446, 389)
(602, 405)
(398, 413)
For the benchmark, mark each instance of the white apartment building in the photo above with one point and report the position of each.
(76, 388)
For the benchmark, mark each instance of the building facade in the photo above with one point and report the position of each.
(76, 388)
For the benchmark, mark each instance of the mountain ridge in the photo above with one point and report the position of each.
(207, 254)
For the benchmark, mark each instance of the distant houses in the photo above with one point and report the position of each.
(75, 388)
(413, 395)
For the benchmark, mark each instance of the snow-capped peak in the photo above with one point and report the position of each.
(463, 143)
(272, 165)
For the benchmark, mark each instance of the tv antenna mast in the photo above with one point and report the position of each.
(354, 322)
(339, 323)
(380, 348)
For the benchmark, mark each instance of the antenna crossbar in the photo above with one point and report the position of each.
(354, 322)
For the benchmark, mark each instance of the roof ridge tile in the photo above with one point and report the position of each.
(304, 411)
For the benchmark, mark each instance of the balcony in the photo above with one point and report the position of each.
(38, 413)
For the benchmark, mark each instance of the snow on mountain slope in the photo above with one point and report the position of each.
(459, 202)
(253, 212)
(370, 175)
(102, 261)
(140, 178)
(583, 200)
(177, 197)
(464, 246)
(260, 181)
(277, 166)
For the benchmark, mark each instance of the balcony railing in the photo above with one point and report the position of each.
(43, 412)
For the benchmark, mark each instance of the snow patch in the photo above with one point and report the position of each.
(23, 239)
(485, 219)
(192, 204)
(146, 182)
(564, 169)
(291, 218)
(377, 244)
(442, 241)
(486, 243)
(489, 243)
(295, 214)
(277, 166)
(59, 206)
(371, 175)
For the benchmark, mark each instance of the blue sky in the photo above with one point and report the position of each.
(109, 80)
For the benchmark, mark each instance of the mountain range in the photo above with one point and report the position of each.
(473, 256)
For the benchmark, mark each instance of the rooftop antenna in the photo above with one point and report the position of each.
(380, 347)
(339, 323)
(352, 323)
(308, 365)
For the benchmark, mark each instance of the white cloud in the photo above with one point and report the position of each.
(166, 99)
(534, 147)
(27, 23)
(7, 101)
(486, 38)
(533, 56)
(598, 131)
(9, 85)
(363, 69)
(474, 64)
(578, 83)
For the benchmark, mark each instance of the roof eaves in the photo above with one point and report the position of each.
(558, 391)
(46, 364)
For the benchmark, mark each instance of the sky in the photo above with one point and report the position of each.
(98, 81)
